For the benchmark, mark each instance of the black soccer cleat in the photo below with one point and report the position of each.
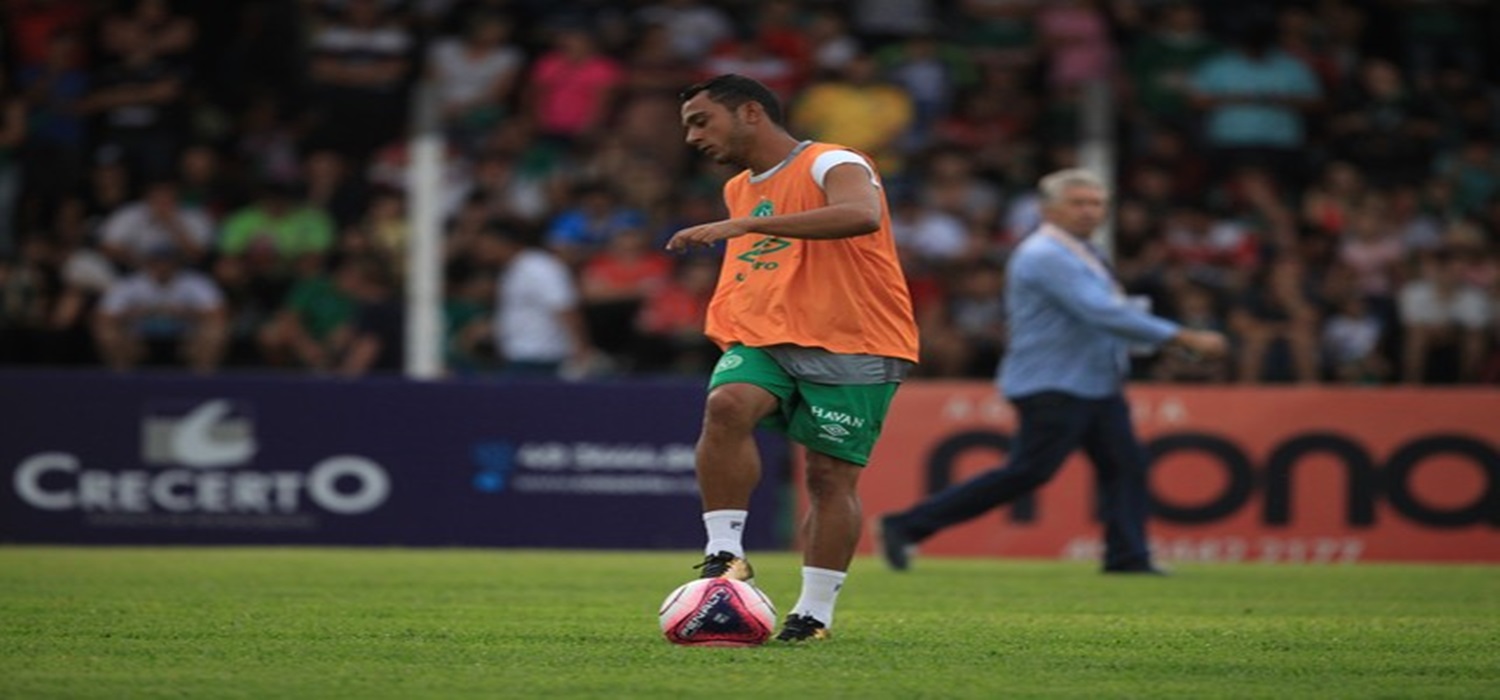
(802, 628)
(726, 565)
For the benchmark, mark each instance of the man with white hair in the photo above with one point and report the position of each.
(1064, 369)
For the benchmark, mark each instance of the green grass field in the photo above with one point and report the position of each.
(360, 623)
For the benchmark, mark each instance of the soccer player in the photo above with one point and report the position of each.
(816, 324)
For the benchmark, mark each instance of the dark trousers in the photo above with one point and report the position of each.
(1052, 425)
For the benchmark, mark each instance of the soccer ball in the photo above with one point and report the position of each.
(717, 612)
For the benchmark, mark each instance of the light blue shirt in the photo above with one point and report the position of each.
(1069, 328)
(1276, 75)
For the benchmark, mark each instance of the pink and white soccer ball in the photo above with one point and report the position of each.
(717, 612)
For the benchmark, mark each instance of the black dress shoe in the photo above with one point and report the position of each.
(894, 543)
(1145, 570)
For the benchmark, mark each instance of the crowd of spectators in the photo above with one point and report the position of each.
(223, 184)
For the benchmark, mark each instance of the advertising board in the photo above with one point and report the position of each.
(100, 458)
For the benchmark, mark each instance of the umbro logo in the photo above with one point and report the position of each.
(834, 432)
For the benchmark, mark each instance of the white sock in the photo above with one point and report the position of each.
(726, 531)
(820, 591)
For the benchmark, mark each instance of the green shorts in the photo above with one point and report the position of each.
(839, 420)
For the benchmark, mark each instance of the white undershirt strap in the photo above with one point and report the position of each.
(828, 160)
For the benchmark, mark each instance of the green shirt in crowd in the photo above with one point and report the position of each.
(296, 232)
(320, 305)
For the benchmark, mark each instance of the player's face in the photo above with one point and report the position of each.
(1079, 210)
(713, 129)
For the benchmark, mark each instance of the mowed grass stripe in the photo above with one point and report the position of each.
(400, 623)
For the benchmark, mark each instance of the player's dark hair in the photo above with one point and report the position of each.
(733, 90)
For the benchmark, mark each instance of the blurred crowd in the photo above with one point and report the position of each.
(223, 184)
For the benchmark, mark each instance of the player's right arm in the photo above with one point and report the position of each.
(854, 209)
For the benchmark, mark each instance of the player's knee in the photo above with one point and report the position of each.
(831, 479)
(731, 408)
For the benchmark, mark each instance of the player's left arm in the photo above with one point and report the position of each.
(854, 209)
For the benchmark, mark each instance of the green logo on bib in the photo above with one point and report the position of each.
(766, 246)
(763, 247)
